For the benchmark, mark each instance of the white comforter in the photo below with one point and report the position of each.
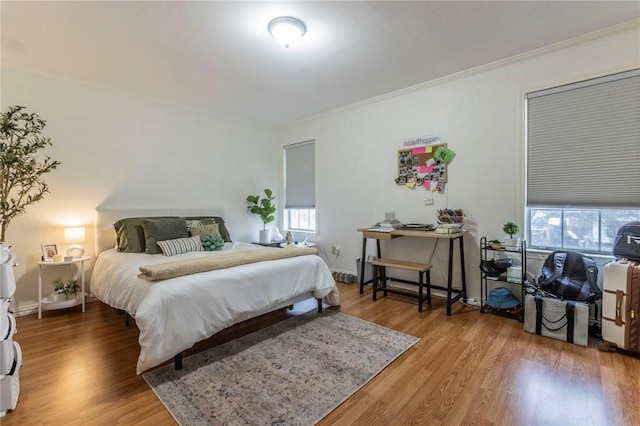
(174, 314)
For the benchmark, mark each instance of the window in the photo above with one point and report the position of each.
(300, 187)
(589, 230)
(583, 157)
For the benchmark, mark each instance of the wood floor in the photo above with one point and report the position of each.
(467, 369)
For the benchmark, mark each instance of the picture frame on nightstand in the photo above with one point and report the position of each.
(48, 251)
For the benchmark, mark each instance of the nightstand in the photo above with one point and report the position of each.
(66, 303)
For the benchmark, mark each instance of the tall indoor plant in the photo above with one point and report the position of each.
(21, 168)
(264, 208)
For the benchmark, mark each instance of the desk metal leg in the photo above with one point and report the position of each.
(449, 277)
(462, 293)
(362, 262)
(462, 271)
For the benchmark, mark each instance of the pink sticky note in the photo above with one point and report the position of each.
(426, 184)
(424, 169)
(418, 150)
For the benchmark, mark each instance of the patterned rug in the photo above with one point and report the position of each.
(292, 373)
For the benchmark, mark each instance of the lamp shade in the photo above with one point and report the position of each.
(75, 235)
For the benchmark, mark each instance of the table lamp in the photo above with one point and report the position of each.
(74, 235)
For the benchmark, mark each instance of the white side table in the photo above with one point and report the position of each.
(41, 265)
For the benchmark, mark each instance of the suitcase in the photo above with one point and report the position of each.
(621, 306)
(564, 320)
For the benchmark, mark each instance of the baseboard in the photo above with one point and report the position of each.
(33, 309)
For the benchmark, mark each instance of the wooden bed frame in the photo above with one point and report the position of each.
(104, 237)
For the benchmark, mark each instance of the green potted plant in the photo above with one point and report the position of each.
(21, 169)
(68, 288)
(265, 208)
(511, 229)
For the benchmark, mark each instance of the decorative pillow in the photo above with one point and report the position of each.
(130, 235)
(212, 242)
(193, 224)
(180, 245)
(204, 230)
(161, 230)
(209, 220)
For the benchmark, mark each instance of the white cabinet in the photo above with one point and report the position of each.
(47, 303)
(10, 352)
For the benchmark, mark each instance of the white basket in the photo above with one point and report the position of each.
(7, 326)
(9, 391)
(7, 279)
(10, 358)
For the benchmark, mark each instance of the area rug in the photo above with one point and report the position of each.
(292, 373)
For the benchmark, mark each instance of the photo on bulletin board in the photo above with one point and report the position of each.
(419, 165)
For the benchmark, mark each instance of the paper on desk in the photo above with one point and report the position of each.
(380, 229)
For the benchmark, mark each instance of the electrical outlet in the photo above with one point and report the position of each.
(335, 250)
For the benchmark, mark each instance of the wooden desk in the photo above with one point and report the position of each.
(460, 293)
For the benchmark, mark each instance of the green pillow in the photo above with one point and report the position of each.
(163, 229)
(130, 235)
(209, 220)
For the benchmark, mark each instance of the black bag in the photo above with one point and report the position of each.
(495, 268)
(571, 276)
(627, 242)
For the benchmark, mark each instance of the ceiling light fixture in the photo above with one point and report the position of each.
(287, 30)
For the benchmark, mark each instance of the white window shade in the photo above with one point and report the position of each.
(583, 143)
(300, 175)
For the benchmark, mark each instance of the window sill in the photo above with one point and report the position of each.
(533, 253)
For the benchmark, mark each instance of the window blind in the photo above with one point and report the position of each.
(583, 143)
(300, 175)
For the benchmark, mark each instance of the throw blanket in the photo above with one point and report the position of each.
(178, 268)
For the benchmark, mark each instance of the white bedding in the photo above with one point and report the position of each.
(174, 314)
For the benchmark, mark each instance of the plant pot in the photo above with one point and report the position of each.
(511, 243)
(265, 236)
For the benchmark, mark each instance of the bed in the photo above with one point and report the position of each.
(175, 313)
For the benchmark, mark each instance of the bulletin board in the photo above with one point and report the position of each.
(420, 165)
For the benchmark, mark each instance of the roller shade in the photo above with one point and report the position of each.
(300, 175)
(583, 144)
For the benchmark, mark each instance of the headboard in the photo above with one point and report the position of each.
(104, 234)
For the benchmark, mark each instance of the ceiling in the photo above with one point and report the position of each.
(218, 55)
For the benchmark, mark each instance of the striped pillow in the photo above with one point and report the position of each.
(180, 245)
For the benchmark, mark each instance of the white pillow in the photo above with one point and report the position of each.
(180, 245)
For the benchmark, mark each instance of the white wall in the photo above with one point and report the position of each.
(119, 151)
(479, 115)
